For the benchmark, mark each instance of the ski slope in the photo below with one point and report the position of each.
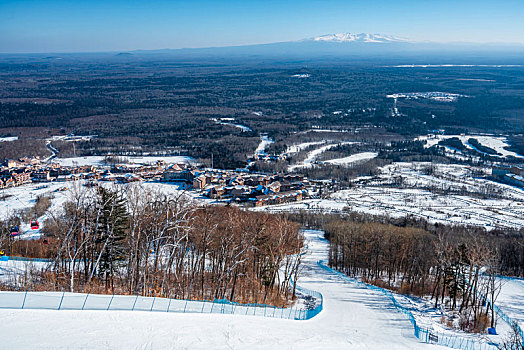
(511, 299)
(353, 318)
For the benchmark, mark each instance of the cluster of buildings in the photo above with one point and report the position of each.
(26, 170)
(239, 186)
(222, 185)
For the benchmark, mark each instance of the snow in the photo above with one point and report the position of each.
(24, 197)
(497, 143)
(265, 141)
(301, 146)
(362, 37)
(403, 189)
(353, 317)
(99, 160)
(7, 139)
(511, 299)
(12, 271)
(72, 138)
(354, 158)
(229, 121)
(313, 155)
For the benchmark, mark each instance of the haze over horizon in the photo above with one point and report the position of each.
(30, 26)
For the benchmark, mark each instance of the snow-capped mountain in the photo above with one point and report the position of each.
(359, 38)
(361, 46)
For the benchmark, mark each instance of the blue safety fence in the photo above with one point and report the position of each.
(80, 301)
(509, 321)
(501, 313)
(20, 258)
(424, 334)
(314, 294)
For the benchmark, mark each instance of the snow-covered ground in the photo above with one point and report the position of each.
(511, 299)
(301, 146)
(353, 317)
(404, 189)
(352, 159)
(265, 141)
(99, 160)
(24, 197)
(230, 122)
(72, 138)
(314, 154)
(497, 143)
(7, 139)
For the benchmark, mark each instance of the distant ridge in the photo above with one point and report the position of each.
(361, 46)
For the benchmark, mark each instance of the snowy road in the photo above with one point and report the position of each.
(353, 317)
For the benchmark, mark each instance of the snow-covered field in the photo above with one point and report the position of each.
(24, 197)
(72, 138)
(451, 195)
(314, 154)
(301, 146)
(497, 143)
(511, 299)
(352, 159)
(265, 141)
(99, 160)
(230, 122)
(353, 317)
(7, 139)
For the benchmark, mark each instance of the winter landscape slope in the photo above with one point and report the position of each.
(353, 317)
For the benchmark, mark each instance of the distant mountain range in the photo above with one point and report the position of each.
(342, 46)
(362, 46)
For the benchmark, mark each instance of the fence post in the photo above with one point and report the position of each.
(168, 305)
(153, 303)
(25, 296)
(212, 305)
(203, 304)
(110, 301)
(61, 300)
(87, 296)
(133, 309)
(185, 305)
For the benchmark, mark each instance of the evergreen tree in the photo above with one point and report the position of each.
(112, 224)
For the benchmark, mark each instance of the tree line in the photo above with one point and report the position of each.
(455, 267)
(131, 240)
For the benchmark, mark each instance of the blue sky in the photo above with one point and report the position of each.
(117, 25)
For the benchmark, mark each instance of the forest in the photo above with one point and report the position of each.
(168, 105)
(138, 241)
(454, 267)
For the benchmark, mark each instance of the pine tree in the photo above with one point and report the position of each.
(111, 233)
